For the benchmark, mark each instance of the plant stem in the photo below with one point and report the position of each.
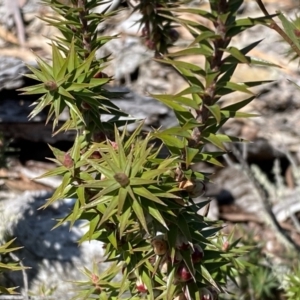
(86, 33)
(215, 63)
(276, 27)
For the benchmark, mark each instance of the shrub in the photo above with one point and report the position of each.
(142, 207)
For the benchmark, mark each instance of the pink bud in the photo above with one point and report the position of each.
(100, 75)
(297, 32)
(183, 274)
(114, 145)
(68, 161)
(140, 286)
(150, 44)
(95, 155)
(95, 278)
(225, 246)
(85, 106)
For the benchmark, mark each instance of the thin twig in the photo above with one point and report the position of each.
(86, 32)
(274, 26)
(264, 200)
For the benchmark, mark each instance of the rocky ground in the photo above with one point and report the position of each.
(272, 154)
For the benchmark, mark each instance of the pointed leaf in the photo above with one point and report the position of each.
(190, 153)
(215, 111)
(154, 212)
(212, 138)
(191, 51)
(238, 105)
(110, 210)
(289, 29)
(65, 93)
(57, 60)
(122, 197)
(39, 75)
(238, 55)
(186, 255)
(148, 282)
(241, 87)
(190, 90)
(137, 208)
(184, 65)
(123, 219)
(141, 191)
(170, 140)
(167, 100)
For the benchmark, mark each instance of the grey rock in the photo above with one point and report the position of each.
(11, 72)
(280, 95)
(145, 108)
(54, 256)
(128, 53)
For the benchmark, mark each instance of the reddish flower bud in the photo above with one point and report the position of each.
(140, 286)
(85, 106)
(100, 75)
(95, 155)
(183, 274)
(150, 44)
(94, 278)
(197, 254)
(68, 161)
(114, 145)
(225, 246)
(297, 32)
